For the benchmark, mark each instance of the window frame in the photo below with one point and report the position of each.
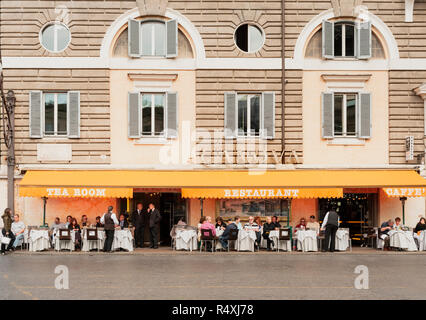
(163, 132)
(153, 39)
(55, 115)
(344, 114)
(249, 49)
(55, 36)
(344, 23)
(250, 95)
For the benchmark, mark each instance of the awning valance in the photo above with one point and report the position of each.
(262, 193)
(120, 183)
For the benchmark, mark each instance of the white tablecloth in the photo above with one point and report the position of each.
(342, 240)
(93, 244)
(246, 239)
(422, 240)
(284, 245)
(64, 244)
(39, 240)
(122, 239)
(306, 240)
(186, 239)
(402, 239)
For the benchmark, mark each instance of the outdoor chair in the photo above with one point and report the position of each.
(321, 238)
(233, 236)
(284, 234)
(92, 235)
(368, 236)
(207, 237)
(64, 236)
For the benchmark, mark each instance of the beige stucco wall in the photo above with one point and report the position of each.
(125, 151)
(318, 151)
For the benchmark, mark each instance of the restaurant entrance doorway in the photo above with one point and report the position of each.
(357, 211)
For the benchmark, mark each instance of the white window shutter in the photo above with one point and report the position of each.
(171, 38)
(328, 39)
(36, 114)
(73, 118)
(365, 124)
(268, 104)
(364, 40)
(172, 115)
(327, 115)
(134, 38)
(134, 115)
(231, 115)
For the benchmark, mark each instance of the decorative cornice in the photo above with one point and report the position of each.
(345, 8)
(346, 77)
(421, 91)
(152, 77)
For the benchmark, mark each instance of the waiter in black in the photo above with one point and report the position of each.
(110, 222)
(154, 220)
(330, 224)
(138, 219)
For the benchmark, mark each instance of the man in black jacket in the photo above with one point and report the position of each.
(139, 219)
(330, 224)
(154, 220)
(225, 235)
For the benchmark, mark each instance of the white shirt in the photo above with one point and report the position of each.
(113, 217)
(324, 223)
(17, 227)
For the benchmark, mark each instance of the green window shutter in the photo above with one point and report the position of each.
(171, 38)
(172, 115)
(134, 39)
(328, 39)
(327, 115)
(134, 115)
(364, 40)
(365, 115)
(230, 115)
(73, 114)
(36, 114)
(268, 103)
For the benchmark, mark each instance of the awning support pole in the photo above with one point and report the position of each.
(44, 211)
(201, 206)
(128, 205)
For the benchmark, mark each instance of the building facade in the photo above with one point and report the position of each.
(127, 101)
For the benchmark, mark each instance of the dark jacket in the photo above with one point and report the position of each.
(231, 226)
(420, 227)
(125, 224)
(77, 226)
(7, 222)
(276, 224)
(141, 219)
(154, 218)
(333, 218)
(220, 226)
(268, 227)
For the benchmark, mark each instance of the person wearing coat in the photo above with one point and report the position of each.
(154, 220)
(7, 231)
(139, 220)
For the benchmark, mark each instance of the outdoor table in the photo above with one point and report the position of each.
(306, 240)
(122, 239)
(186, 239)
(246, 239)
(402, 239)
(342, 240)
(284, 245)
(39, 240)
(93, 244)
(64, 244)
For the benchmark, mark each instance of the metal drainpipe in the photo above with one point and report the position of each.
(283, 80)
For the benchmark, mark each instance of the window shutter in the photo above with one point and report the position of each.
(35, 104)
(135, 118)
(327, 115)
(365, 115)
(364, 40)
(172, 115)
(230, 114)
(268, 103)
(73, 120)
(134, 38)
(328, 39)
(171, 38)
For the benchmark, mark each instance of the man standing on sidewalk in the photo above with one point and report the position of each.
(330, 224)
(154, 220)
(110, 222)
(7, 230)
(138, 219)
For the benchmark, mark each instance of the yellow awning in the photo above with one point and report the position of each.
(263, 193)
(75, 192)
(119, 183)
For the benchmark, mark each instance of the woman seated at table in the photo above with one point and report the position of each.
(98, 222)
(267, 228)
(202, 219)
(207, 225)
(421, 226)
(123, 223)
(77, 232)
(220, 223)
(276, 222)
(258, 221)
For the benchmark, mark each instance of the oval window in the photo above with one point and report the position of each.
(249, 38)
(55, 37)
